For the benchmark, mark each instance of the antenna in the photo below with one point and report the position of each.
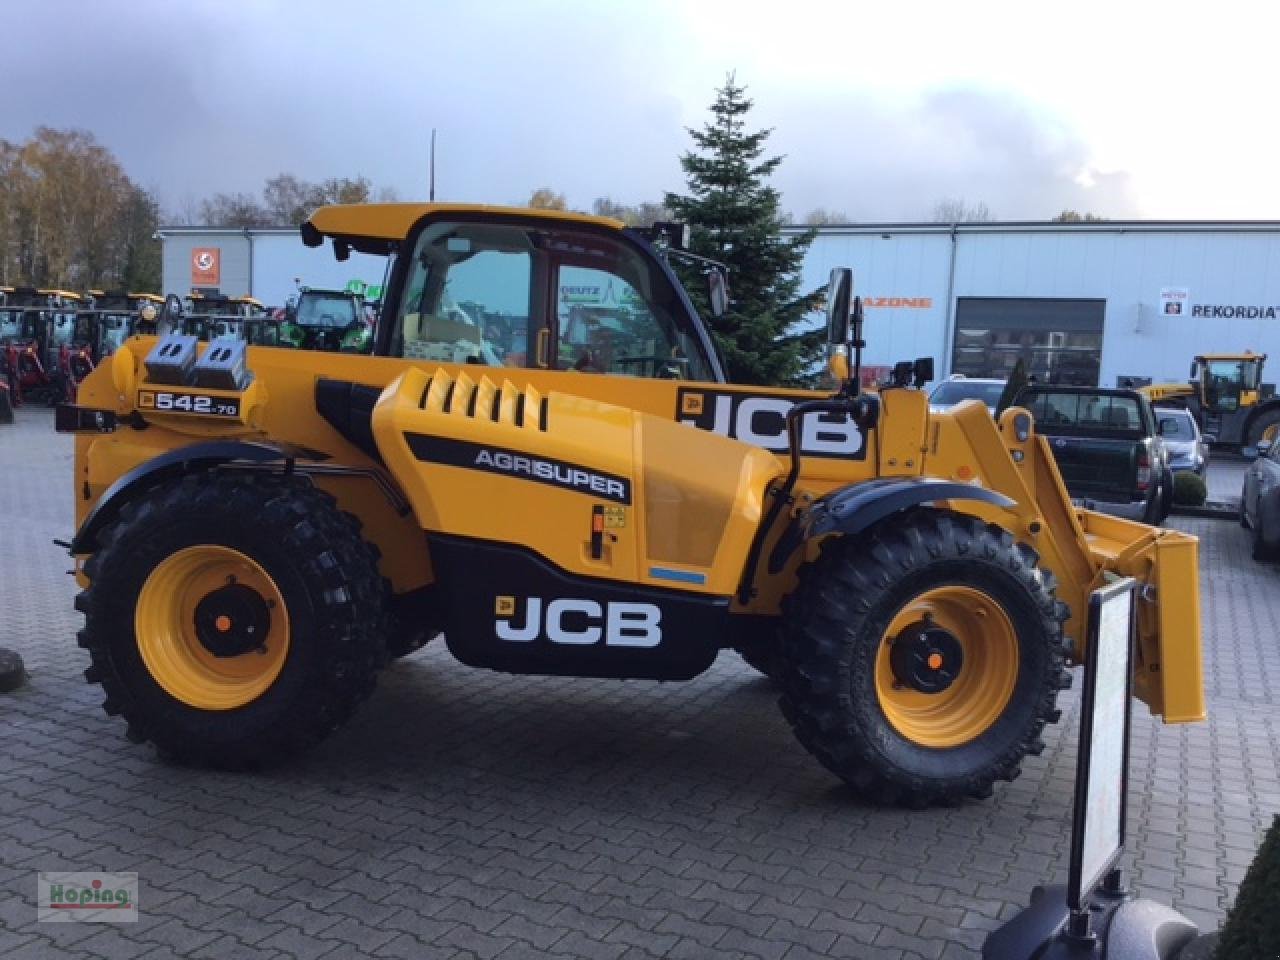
(432, 193)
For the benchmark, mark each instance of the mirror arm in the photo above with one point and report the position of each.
(851, 387)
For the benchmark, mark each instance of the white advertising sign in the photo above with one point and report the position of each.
(1175, 302)
(1101, 790)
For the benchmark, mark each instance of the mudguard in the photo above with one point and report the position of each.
(852, 509)
(200, 456)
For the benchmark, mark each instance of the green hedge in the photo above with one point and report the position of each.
(1252, 930)
(1188, 489)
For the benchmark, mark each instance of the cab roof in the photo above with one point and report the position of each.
(377, 227)
(221, 298)
(1247, 355)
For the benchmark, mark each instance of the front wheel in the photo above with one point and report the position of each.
(924, 658)
(233, 620)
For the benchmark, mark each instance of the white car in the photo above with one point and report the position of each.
(950, 392)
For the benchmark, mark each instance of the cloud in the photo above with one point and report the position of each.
(894, 159)
(204, 97)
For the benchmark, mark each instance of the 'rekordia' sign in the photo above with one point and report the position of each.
(1213, 311)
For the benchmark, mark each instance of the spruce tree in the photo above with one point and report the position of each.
(736, 219)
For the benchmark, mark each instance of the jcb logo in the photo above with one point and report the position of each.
(762, 422)
(575, 621)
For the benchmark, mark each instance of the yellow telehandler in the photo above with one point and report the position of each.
(542, 461)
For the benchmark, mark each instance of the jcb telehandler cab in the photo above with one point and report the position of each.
(260, 527)
(1226, 395)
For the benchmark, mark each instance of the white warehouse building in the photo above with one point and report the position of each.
(1078, 302)
(1081, 303)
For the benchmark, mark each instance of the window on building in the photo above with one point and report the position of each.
(1058, 341)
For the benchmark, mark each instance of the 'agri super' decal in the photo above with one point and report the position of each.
(523, 466)
(761, 420)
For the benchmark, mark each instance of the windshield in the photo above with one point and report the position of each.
(950, 392)
(1176, 426)
(326, 311)
(10, 324)
(115, 330)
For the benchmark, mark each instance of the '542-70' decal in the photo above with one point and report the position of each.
(203, 404)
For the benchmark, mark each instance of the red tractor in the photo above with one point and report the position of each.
(35, 326)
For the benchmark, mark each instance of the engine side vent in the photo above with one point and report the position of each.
(482, 399)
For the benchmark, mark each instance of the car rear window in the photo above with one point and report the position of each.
(1087, 412)
(1176, 426)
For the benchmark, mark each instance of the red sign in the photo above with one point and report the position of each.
(206, 266)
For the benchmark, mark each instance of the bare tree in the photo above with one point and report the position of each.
(822, 217)
(544, 198)
(1073, 216)
(69, 216)
(233, 210)
(956, 210)
(637, 215)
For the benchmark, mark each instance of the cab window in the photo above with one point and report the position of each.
(607, 325)
(467, 296)
(540, 295)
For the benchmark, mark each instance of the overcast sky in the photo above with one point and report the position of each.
(882, 108)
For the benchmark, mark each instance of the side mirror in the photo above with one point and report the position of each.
(1194, 368)
(717, 292)
(839, 291)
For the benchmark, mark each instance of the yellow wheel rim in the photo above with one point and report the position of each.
(1269, 435)
(205, 599)
(982, 683)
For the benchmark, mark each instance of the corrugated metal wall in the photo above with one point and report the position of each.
(905, 273)
(1128, 270)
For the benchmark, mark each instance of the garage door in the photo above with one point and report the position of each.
(1060, 341)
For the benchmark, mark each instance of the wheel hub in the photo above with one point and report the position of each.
(926, 658)
(232, 621)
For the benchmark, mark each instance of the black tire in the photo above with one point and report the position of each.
(838, 618)
(1260, 551)
(405, 639)
(326, 574)
(1261, 423)
(765, 656)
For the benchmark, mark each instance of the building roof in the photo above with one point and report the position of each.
(410, 212)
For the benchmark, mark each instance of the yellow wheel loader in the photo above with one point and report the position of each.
(1226, 395)
(542, 461)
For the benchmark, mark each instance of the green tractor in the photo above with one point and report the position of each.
(328, 320)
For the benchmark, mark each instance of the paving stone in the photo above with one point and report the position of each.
(580, 818)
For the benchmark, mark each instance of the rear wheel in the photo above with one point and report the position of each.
(1265, 427)
(233, 620)
(925, 658)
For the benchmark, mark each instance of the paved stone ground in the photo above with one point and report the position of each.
(466, 813)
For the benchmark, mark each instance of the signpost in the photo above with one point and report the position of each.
(1093, 916)
(1102, 766)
